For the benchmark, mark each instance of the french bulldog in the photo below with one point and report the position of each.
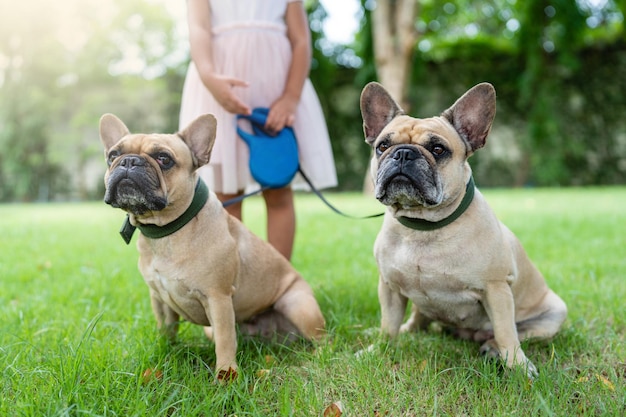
(200, 263)
(441, 245)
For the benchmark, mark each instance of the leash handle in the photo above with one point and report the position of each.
(281, 148)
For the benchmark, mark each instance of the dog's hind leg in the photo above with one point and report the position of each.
(299, 306)
(270, 325)
(547, 323)
(208, 331)
(415, 322)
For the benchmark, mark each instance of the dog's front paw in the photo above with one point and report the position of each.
(531, 370)
(408, 328)
(490, 349)
(367, 351)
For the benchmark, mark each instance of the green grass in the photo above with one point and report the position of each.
(77, 332)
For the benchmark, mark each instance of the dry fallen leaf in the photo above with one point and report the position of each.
(262, 372)
(225, 376)
(334, 410)
(608, 384)
(151, 374)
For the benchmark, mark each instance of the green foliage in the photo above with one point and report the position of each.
(77, 334)
(60, 71)
(558, 69)
(334, 76)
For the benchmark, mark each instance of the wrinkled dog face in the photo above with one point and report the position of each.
(423, 162)
(135, 181)
(413, 159)
(144, 170)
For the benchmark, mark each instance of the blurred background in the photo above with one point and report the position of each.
(559, 68)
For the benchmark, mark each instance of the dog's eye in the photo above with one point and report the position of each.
(382, 147)
(438, 150)
(164, 160)
(112, 155)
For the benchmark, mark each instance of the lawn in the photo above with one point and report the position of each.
(77, 336)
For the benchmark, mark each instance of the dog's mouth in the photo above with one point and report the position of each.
(134, 192)
(406, 191)
(406, 179)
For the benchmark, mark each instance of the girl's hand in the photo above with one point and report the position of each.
(282, 113)
(221, 87)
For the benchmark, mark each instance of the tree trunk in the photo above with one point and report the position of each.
(393, 24)
(394, 34)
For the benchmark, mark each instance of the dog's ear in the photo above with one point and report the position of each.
(112, 130)
(378, 108)
(200, 137)
(473, 113)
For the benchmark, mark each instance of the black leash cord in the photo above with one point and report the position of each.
(243, 197)
(315, 190)
(333, 208)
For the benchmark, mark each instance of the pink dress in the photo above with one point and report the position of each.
(250, 43)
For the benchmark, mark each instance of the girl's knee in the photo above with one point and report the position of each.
(280, 197)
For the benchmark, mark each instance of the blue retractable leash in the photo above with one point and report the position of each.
(273, 159)
(282, 151)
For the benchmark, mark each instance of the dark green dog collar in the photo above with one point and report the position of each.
(425, 225)
(152, 231)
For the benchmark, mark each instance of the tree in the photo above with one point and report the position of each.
(394, 37)
(60, 69)
(394, 33)
(558, 67)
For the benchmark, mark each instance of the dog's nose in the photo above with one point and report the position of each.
(131, 161)
(405, 154)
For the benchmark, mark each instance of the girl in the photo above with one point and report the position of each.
(247, 54)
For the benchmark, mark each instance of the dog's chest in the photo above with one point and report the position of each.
(173, 288)
(441, 284)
